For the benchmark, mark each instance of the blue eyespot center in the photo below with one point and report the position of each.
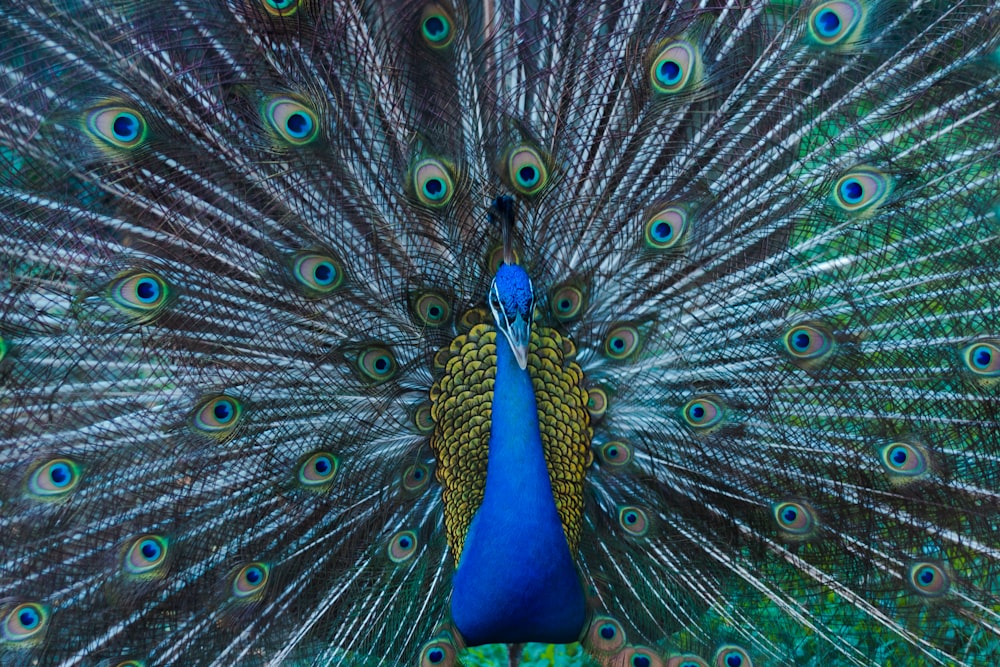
(29, 618)
(299, 125)
(669, 72)
(852, 191)
(608, 631)
(147, 290)
(434, 188)
(324, 273)
(60, 475)
(734, 660)
(527, 175)
(800, 341)
(125, 127)
(223, 411)
(150, 549)
(789, 514)
(663, 231)
(981, 357)
(827, 23)
(254, 575)
(898, 455)
(435, 655)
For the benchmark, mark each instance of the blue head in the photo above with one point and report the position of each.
(512, 300)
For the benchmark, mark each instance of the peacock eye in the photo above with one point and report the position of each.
(567, 303)
(318, 469)
(416, 477)
(437, 27)
(140, 294)
(54, 479)
(862, 189)
(904, 459)
(983, 359)
(832, 23)
(621, 342)
(402, 546)
(117, 126)
(633, 520)
(217, 416)
(291, 121)
(674, 68)
(805, 342)
(433, 183)
(929, 579)
(732, 656)
(637, 656)
(794, 519)
(318, 274)
(616, 453)
(597, 402)
(377, 363)
(282, 7)
(146, 556)
(26, 621)
(250, 580)
(688, 661)
(703, 413)
(423, 419)
(605, 635)
(666, 228)
(438, 653)
(526, 170)
(432, 309)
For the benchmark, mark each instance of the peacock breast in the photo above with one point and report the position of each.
(461, 407)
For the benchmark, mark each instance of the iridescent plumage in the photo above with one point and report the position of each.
(358, 333)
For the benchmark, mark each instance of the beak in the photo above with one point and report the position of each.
(518, 334)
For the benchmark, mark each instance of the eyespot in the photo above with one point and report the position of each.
(832, 23)
(637, 656)
(140, 294)
(291, 121)
(732, 656)
(438, 653)
(686, 661)
(54, 479)
(432, 309)
(904, 459)
(377, 364)
(808, 343)
(621, 342)
(317, 273)
(250, 580)
(402, 546)
(633, 520)
(318, 469)
(217, 416)
(675, 67)
(437, 27)
(282, 7)
(117, 126)
(616, 453)
(605, 635)
(862, 189)
(416, 477)
(983, 358)
(566, 303)
(423, 419)
(929, 579)
(666, 228)
(526, 171)
(147, 556)
(703, 413)
(796, 520)
(25, 622)
(597, 402)
(433, 183)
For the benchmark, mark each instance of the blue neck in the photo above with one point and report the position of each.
(516, 581)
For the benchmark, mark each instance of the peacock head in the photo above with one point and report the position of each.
(512, 300)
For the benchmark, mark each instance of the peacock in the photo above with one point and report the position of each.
(610, 332)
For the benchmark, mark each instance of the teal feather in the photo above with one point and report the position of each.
(242, 243)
